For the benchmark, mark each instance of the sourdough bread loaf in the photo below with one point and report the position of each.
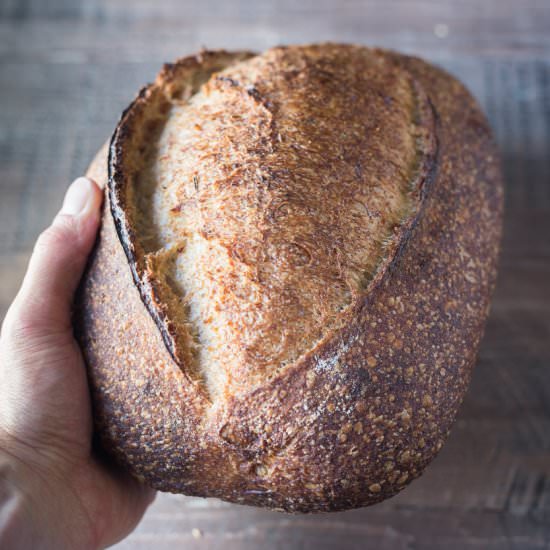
(292, 276)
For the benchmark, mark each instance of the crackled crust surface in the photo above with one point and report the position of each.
(359, 415)
(265, 200)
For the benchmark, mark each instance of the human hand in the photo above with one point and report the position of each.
(54, 493)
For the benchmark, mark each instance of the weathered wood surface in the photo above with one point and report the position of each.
(68, 67)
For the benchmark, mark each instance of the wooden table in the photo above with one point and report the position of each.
(68, 67)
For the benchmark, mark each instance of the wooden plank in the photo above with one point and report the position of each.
(481, 19)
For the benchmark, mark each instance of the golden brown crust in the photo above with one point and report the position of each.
(260, 206)
(355, 417)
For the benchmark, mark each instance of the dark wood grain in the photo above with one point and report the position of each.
(68, 67)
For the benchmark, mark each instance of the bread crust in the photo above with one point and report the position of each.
(362, 413)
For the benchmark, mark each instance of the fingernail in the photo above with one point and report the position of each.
(77, 197)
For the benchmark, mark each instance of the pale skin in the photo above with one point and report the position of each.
(54, 492)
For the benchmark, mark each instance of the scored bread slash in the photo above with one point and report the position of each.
(295, 246)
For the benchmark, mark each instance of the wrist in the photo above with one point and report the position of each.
(37, 509)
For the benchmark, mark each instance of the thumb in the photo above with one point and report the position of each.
(57, 262)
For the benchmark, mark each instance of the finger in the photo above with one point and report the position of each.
(131, 501)
(58, 260)
(122, 502)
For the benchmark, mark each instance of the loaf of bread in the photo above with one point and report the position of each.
(292, 276)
